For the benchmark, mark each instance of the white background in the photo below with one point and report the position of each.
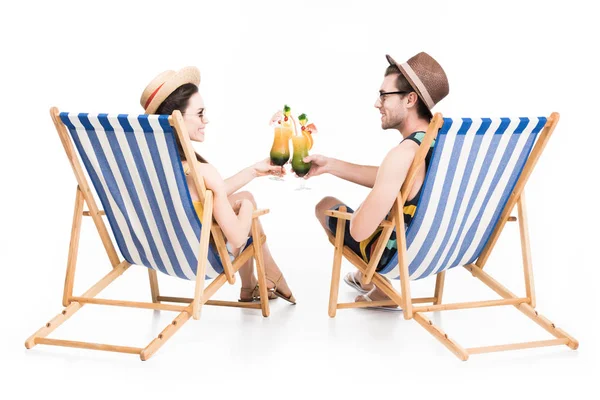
(510, 58)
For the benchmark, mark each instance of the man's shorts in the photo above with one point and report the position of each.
(364, 248)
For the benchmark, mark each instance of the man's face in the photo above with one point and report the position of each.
(391, 106)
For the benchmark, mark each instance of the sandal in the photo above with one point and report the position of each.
(277, 293)
(366, 298)
(350, 279)
(254, 294)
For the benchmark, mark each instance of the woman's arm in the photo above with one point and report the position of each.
(239, 180)
(235, 227)
(242, 178)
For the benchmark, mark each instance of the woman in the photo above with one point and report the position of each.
(171, 91)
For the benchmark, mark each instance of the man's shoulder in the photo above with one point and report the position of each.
(401, 154)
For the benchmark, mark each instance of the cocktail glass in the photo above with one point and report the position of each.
(280, 151)
(301, 168)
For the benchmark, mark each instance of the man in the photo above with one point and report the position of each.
(408, 93)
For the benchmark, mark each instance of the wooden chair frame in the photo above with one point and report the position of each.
(403, 298)
(202, 294)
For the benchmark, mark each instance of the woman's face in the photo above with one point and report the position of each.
(195, 118)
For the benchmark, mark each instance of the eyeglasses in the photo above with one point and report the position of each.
(383, 94)
(200, 115)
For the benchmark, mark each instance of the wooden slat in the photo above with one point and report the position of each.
(261, 273)
(440, 335)
(166, 334)
(73, 247)
(207, 215)
(176, 120)
(402, 257)
(175, 299)
(154, 292)
(439, 287)
(517, 346)
(258, 213)
(524, 308)
(74, 307)
(88, 214)
(337, 264)
(385, 303)
(219, 238)
(364, 304)
(87, 345)
(339, 214)
(237, 304)
(376, 256)
(124, 303)
(472, 304)
(526, 250)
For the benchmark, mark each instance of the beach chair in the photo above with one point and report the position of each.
(136, 171)
(476, 177)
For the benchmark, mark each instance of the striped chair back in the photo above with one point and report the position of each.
(473, 170)
(135, 168)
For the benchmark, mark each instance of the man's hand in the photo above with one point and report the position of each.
(320, 165)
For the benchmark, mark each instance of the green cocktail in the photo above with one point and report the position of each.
(301, 168)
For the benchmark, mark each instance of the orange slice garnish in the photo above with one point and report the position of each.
(309, 139)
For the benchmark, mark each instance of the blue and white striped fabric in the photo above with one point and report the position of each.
(135, 167)
(474, 168)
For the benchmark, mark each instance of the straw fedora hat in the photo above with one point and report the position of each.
(426, 77)
(164, 84)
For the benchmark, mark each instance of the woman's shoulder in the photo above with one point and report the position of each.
(203, 168)
(208, 169)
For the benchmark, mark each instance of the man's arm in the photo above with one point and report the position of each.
(360, 174)
(389, 180)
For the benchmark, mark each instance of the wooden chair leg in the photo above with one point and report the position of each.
(526, 250)
(337, 265)
(260, 268)
(153, 285)
(439, 287)
(207, 217)
(74, 307)
(166, 334)
(73, 247)
(442, 336)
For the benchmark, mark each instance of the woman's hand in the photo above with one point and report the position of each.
(265, 167)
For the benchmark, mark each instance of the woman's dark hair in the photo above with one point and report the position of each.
(402, 84)
(178, 100)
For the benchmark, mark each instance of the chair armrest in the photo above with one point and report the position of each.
(338, 214)
(348, 216)
(258, 213)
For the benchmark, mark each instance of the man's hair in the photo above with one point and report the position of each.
(403, 85)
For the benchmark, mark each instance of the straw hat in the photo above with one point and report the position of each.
(164, 84)
(425, 76)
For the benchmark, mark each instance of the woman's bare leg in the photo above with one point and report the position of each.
(271, 268)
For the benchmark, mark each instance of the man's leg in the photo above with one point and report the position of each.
(328, 203)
